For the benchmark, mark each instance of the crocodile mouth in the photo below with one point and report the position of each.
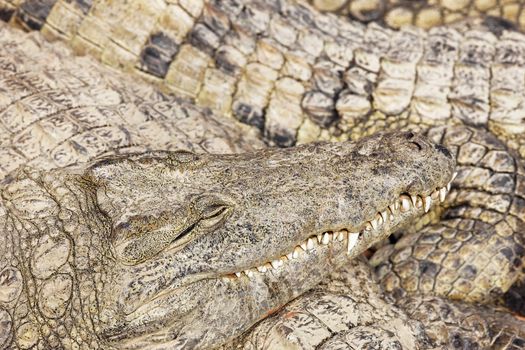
(405, 204)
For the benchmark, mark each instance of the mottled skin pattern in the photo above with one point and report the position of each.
(349, 311)
(140, 250)
(350, 88)
(296, 74)
(426, 14)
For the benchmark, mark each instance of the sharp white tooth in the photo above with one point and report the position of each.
(419, 202)
(405, 204)
(268, 266)
(303, 245)
(454, 176)
(289, 256)
(326, 238)
(310, 244)
(374, 224)
(276, 264)
(384, 215)
(428, 203)
(248, 273)
(238, 274)
(296, 252)
(340, 236)
(414, 200)
(262, 269)
(448, 187)
(396, 205)
(442, 194)
(368, 226)
(319, 238)
(392, 208)
(352, 240)
(434, 195)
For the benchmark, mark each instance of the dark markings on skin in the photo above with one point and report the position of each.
(84, 5)
(6, 14)
(158, 54)
(33, 13)
(443, 150)
(249, 115)
(498, 25)
(224, 63)
(281, 138)
(514, 298)
(204, 39)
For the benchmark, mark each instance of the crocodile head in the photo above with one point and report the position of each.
(203, 246)
(175, 250)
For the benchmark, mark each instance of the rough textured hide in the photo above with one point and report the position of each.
(255, 61)
(298, 75)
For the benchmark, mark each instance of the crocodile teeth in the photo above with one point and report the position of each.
(402, 205)
(414, 200)
(392, 208)
(296, 252)
(379, 219)
(427, 203)
(374, 224)
(310, 244)
(442, 194)
(405, 203)
(276, 264)
(352, 240)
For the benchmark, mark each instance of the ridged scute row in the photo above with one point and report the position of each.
(296, 74)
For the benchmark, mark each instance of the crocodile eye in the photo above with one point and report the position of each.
(141, 238)
(211, 207)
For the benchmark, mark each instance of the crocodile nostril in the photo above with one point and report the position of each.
(409, 135)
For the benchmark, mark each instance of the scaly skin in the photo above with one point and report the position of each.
(141, 250)
(296, 74)
(474, 253)
(425, 14)
(426, 100)
(349, 311)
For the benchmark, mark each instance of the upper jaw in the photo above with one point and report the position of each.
(354, 240)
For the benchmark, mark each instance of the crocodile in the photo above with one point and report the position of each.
(426, 14)
(148, 249)
(295, 74)
(356, 78)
